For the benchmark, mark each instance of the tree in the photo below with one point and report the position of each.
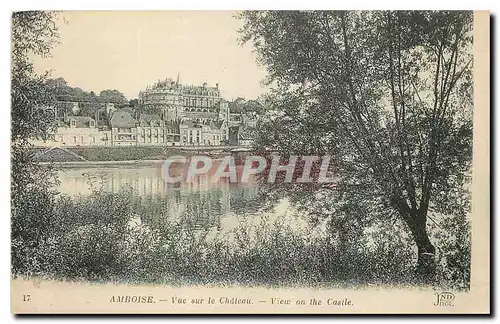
(389, 94)
(58, 86)
(32, 116)
(236, 106)
(113, 96)
(32, 101)
(133, 103)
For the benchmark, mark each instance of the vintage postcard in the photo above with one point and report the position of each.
(290, 162)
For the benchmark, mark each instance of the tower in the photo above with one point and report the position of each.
(178, 81)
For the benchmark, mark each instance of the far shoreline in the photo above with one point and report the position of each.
(84, 157)
(90, 164)
(96, 164)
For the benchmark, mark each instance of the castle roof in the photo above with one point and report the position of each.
(191, 123)
(170, 84)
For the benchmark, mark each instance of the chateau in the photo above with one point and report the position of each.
(200, 111)
(174, 100)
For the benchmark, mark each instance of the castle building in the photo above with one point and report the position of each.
(173, 100)
(197, 108)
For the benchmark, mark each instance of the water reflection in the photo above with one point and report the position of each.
(199, 203)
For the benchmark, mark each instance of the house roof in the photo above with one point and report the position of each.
(128, 109)
(81, 121)
(172, 126)
(122, 118)
(146, 119)
(102, 124)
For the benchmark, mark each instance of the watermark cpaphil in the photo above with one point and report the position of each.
(273, 168)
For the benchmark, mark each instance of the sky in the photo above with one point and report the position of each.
(129, 50)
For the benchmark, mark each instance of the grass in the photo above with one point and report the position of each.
(90, 238)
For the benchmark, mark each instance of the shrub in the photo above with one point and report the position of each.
(91, 238)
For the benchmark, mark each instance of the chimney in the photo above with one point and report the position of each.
(204, 84)
(217, 85)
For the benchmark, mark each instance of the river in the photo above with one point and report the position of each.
(200, 203)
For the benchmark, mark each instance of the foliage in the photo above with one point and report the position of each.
(114, 96)
(133, 103)
(243, 106)
(91, 238)
(116, 237)
(392, 91)
(33, 33)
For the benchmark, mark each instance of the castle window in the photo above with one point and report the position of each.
(73, 123)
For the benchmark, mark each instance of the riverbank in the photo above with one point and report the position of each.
(98, 164)
(115, 237)
(99, 238)
(131, 155)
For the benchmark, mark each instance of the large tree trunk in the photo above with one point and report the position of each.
(417, 222)
(426, 262)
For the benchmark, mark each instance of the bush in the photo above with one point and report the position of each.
(91, 238)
